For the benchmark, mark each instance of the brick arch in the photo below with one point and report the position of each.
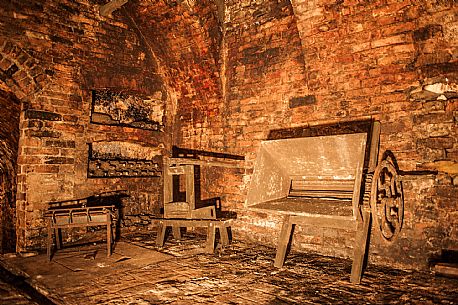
(9, 144)
(20, 72)
(22, 78)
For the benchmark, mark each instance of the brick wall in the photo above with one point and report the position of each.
(228, 73)
(186, 36)
(53, 53)
(288, 64)
(9, 136)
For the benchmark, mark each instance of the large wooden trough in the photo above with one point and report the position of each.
(329, 177)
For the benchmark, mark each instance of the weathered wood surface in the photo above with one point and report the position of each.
(299, 177)
(107, 9)
(59, 218)
(222, 225)
(186, 168)
(201, 162)
(307, 207)
(446, 269)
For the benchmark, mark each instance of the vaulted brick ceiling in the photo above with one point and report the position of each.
(185, 38)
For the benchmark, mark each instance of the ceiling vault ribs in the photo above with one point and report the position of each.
(107, 9)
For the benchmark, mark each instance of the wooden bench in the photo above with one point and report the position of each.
(223, 226)
(77, 213)
(325, 180)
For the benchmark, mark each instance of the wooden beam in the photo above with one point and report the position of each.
(189, 161)
(107, 9)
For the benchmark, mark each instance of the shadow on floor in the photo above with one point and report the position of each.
(180, 273)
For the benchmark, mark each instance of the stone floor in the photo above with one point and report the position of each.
(10, 294)
(180, 273)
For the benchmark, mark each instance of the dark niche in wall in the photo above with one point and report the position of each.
(113, 159)
(123, 109)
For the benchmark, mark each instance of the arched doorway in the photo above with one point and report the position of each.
(9, 138)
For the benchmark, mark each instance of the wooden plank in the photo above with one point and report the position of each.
(211, 238)
(283, 241)
(109, 234)
(168, 183)
(161, 231)
(307, 207)
(335, 185)
(327, 221)
(446, 269)
(224, 235)
(358, 180)
(321, 194)
(200, 223)
(107, 9)
(81, 210)
(50, 238)
(190, 187)
(360, 248)
(374, 146)
(177, 209)
(58, 234)
(176, 231)
(189, 161)
(208, 212)
(176, 170)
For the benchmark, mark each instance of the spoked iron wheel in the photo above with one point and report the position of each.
(387, 202)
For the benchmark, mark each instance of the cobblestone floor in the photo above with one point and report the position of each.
(180, 273)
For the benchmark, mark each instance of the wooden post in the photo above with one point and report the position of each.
(211, 238)
(283, 242)
(107, 9)
(362, 233)
(176, 230)
(49, 247)
(109, 233)
(223, 234)
(190, 196)
(168, 183)
(161, 230)
(58, 233)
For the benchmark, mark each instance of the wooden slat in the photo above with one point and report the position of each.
(321, 194)
(322, 188)
(342, 185)
(373, 150)
(186, 161)
(315, 207)
(327, 221)
(176, 170)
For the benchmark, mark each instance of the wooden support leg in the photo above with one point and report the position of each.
(161, 230)
(211, 238)
(176, 232)
(283, 242)
(223, 234)
(58, 233)
(50, 238)
(362, 233)
(109, 234)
